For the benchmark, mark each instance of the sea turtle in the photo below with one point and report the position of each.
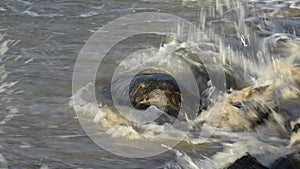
(155, 89)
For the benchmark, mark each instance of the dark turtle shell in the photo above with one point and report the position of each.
(142, 92)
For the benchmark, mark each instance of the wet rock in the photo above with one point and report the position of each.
(295, 134)
(256, 112)
(290, 161)
(236, 81)
(295, 126)
(247, 162)
(244, 109)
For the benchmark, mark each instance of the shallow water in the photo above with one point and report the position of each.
(39, 128)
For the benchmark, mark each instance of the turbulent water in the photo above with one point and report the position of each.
(256, 42)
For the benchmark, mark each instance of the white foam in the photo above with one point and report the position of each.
(3, 162)
(35, 14)
(181, 161)
(89, 14)
(6, 90)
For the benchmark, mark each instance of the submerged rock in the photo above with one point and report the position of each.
(255, 112)
(247, 162)
(290, 161)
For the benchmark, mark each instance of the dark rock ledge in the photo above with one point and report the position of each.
(290, 161)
